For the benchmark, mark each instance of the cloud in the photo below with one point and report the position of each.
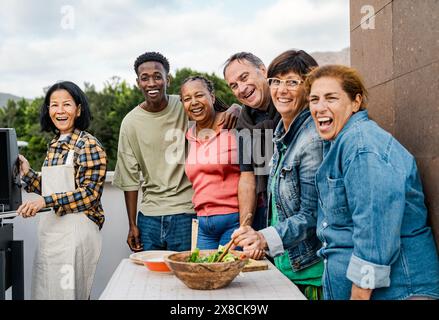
(109, 35)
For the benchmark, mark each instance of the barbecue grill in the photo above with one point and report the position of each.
(11, 251)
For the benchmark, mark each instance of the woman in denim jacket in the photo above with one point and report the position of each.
(372, 216)
(291, 236)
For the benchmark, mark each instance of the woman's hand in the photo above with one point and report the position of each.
(255, 254)
(252, 242)
(358, 293)
(24, 165)
(30, 208)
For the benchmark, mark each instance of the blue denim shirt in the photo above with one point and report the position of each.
(295, 192)
(372, 217)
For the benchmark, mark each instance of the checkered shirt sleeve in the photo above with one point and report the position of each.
(32, 181)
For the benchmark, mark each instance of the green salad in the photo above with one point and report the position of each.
(195, 256)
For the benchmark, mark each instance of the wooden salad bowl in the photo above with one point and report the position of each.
(205, 276)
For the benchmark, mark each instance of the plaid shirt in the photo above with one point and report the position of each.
(90, 163)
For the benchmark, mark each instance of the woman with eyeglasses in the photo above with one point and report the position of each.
(292, 197)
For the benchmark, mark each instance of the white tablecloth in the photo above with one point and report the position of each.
(131, 281)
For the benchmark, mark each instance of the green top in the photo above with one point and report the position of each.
(308, 276)
(153, 144)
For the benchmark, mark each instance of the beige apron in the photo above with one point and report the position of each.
(68, 247)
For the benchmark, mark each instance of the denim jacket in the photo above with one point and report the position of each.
(295, 192)
(372, 217)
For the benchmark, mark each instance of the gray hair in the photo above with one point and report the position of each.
(250, 57)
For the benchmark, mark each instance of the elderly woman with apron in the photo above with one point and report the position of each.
(71, 183)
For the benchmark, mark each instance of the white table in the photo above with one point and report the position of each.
(131, 281)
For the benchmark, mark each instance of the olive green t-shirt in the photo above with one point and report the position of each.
(154, 144)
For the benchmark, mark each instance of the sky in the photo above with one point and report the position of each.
(42, 42)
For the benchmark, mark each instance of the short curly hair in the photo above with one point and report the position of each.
(151, 56)
(219, 104)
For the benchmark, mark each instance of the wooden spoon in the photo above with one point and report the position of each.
(229, 244)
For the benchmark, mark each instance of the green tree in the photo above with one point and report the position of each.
(8, 114)
(108, 108)
(23, 116)
(37, 140)
(222, 90)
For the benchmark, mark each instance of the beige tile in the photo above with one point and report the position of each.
(372, 50)
(382, 105)
(415, 34)
(356, 14)
(417, 115)
(429, 170)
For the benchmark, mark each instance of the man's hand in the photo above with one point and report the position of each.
(252, 242)
(246, 196)
(30, 208)
(133, 239)
(358, 293)
(230, 117)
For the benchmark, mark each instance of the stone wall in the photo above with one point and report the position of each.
(397, 52)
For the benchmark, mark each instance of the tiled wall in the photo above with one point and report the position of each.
(399, 60)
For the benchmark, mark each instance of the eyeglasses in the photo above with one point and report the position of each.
(291, 84)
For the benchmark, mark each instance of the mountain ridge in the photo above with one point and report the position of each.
(4, 97)
(333, 57)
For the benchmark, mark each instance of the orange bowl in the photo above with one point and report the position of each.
(154, 260)
(157, 266)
